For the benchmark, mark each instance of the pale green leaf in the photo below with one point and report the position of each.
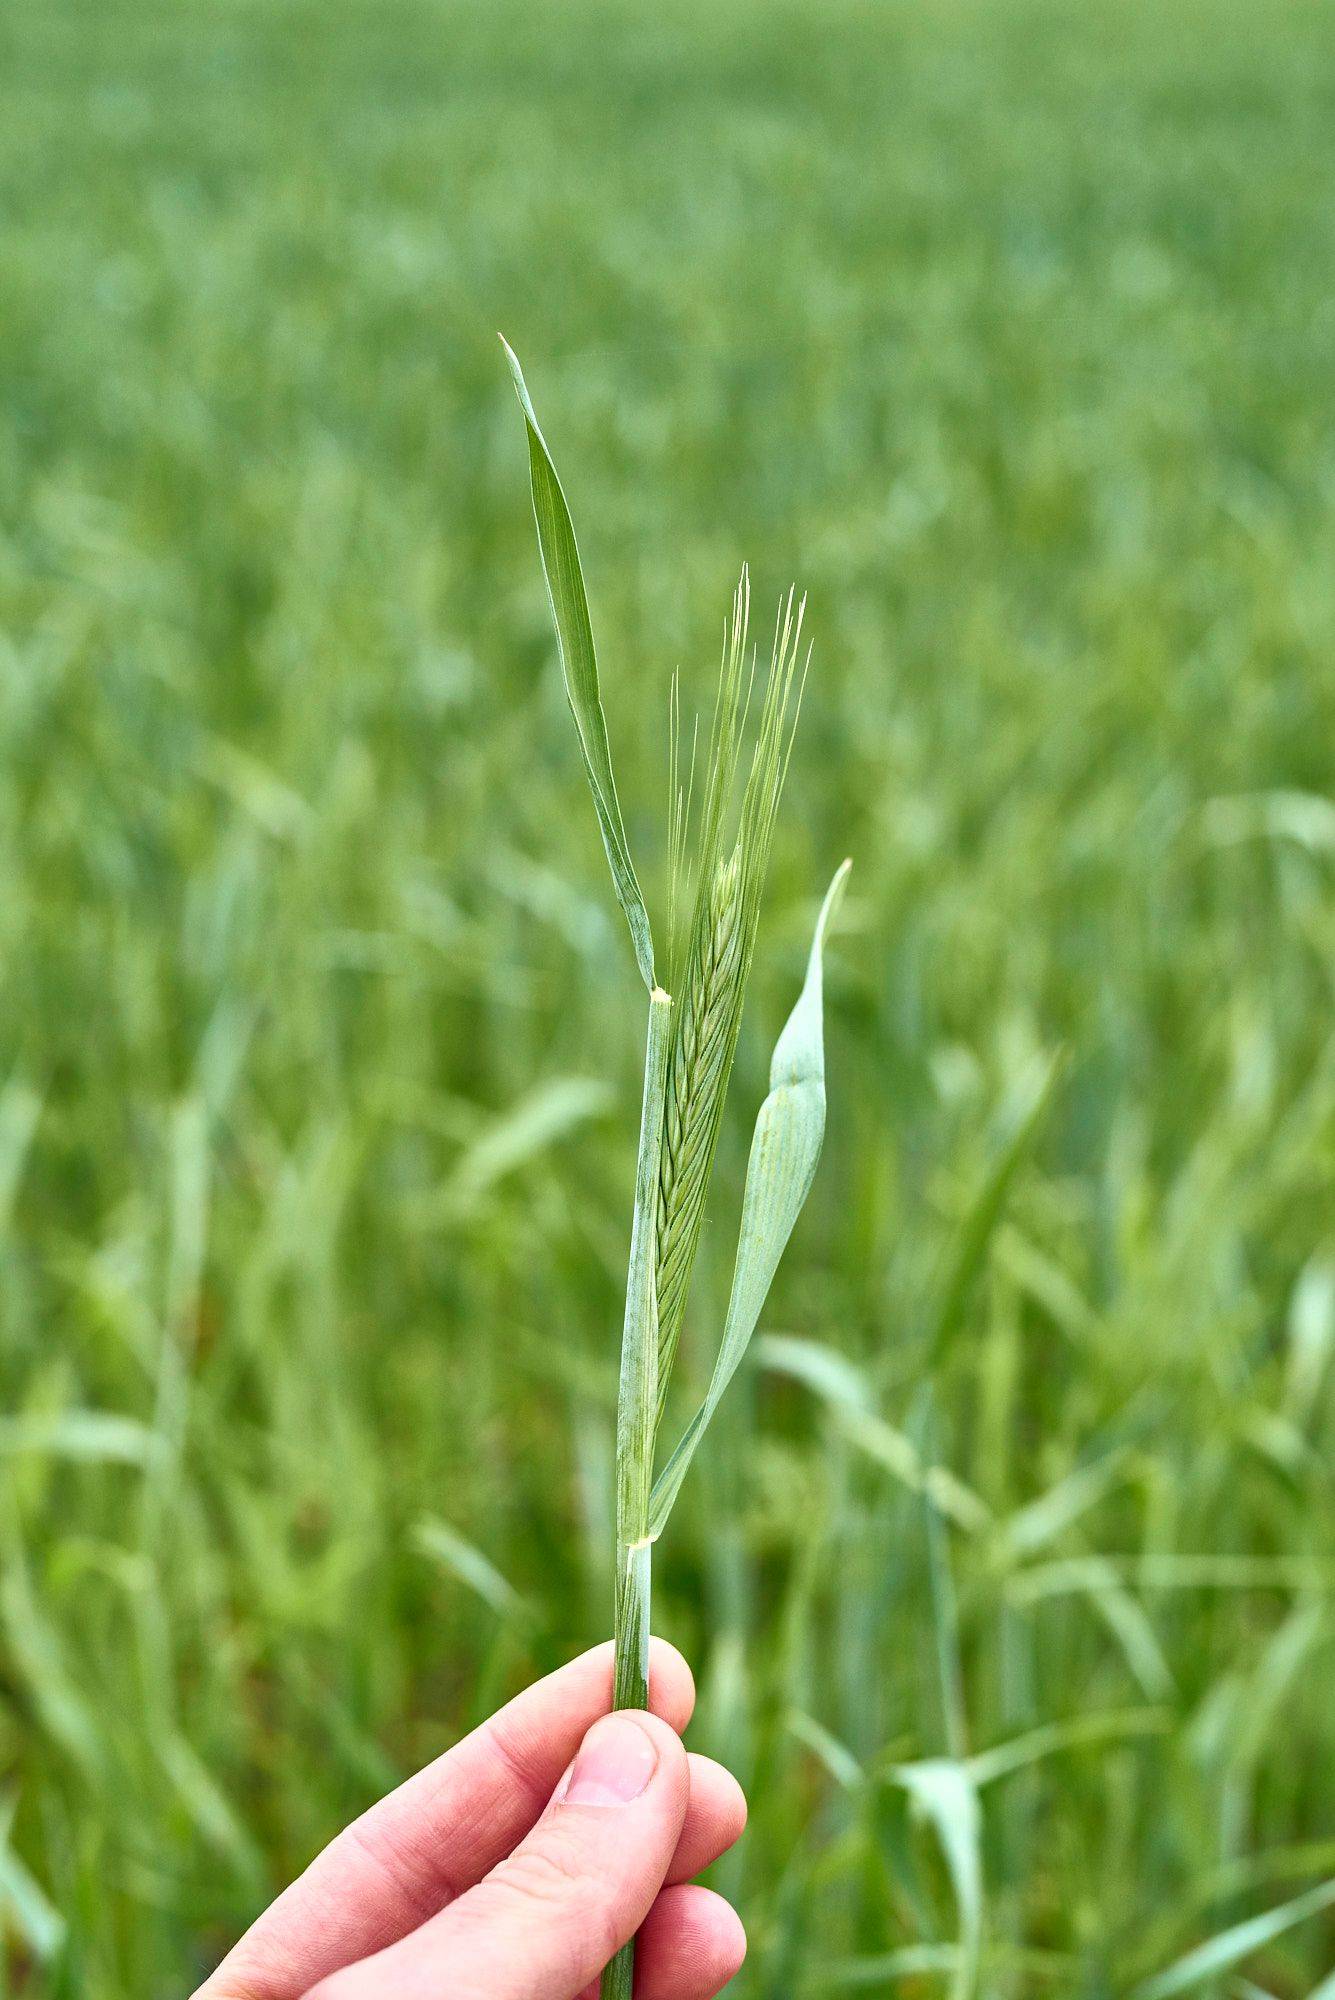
(1052, 1738)
(975, 1235)
(837, 1758)
(911, 1961)
(943, 1791)
(211, 1811)
(465, 1562)
(20, 1111)
(89, 1436)
(1129, 1624)
(847, 1393)
(523, 1132)
(827, 1373)
(1229, 1948)
(1304, 817)
(784, 1151)
(24, 1902)
(900, 1457)
(37, 1663)
(579, 664)
(1040, 1521)
(1311, 1335)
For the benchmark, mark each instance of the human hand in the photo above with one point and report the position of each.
(518, 1863)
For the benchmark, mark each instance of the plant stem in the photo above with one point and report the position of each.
(637, 1420)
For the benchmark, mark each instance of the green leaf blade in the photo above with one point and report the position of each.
(579, 667)
(785, 1149)
(980, 1223)
(943, 1791)
(1229, 1948)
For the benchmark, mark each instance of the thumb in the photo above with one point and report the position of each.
(546, 1921)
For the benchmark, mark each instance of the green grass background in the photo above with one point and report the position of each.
(1007, 331)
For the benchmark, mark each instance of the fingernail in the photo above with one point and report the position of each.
(616, 1760)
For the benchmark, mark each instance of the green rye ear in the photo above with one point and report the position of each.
(784, 1151)
(579, 665)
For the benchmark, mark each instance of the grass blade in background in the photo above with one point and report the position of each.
(579, 664)
(1220, 1954)
(784, 1152)
(24, 1905)
(454, 1552)
(943, 1792)
(975, 1234)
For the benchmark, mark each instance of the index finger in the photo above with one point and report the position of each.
(438, 1834)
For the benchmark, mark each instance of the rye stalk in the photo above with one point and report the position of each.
(689, 1054)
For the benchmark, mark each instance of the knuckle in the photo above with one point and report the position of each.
(546, 1875)
(412, 1874)
(548, 1886)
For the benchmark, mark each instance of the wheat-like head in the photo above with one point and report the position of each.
(710, 981)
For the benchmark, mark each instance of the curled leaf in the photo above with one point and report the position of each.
(784, 1152)
(943, 1791)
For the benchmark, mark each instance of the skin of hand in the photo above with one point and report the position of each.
(517, 1864)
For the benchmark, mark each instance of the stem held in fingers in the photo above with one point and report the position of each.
(690, 1050)
(637, 1419)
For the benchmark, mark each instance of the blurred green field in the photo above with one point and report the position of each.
(1008, 331)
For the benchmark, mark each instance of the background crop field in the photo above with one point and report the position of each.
(1008, 331)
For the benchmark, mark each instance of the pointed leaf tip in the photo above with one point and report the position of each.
(799, 1052)
(579, 666)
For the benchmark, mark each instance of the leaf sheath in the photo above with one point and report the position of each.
(637, 1421)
